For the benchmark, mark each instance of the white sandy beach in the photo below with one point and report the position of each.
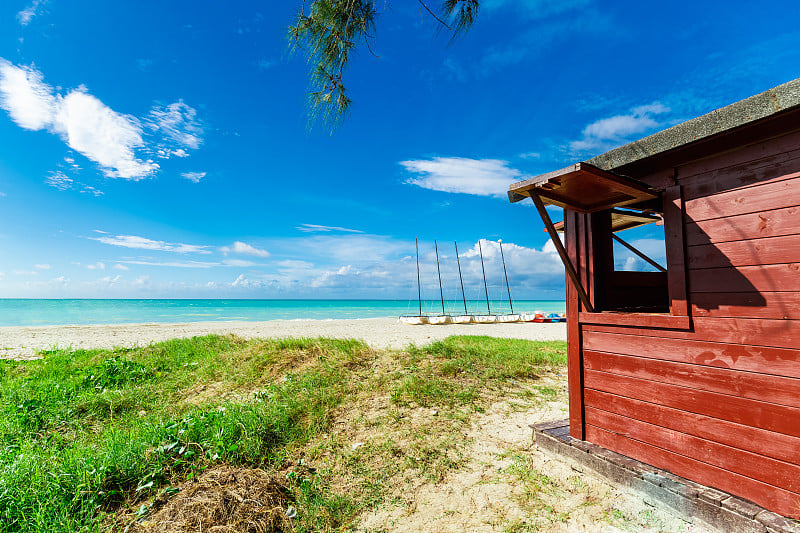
(25, 342)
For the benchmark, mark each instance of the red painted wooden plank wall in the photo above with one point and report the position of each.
(718, 403)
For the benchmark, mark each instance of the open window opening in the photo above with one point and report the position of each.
(633, 274)
(630, 242)
(641, 248)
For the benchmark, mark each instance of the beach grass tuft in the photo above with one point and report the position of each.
(454, 371)
(495, 358)
(96, 440)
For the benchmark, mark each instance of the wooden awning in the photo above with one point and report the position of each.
(621, 220)
(586, 189)
(583, 188)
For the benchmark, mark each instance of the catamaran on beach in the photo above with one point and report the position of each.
(446, 317)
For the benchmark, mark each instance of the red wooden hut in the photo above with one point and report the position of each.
(695, 367)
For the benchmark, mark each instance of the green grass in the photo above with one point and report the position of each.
(539, 497)
(493, 358)
(453, 371)
(86, 433)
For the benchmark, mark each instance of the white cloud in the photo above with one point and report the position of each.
(294, 264)
(607, 133)
(350, 248)
(42, 267)
(653, 248)
(655, 108)
(70, 161)
(239, 247)
(312, 228)
(26, 15)
(531, 272)
(2, 194)
(483, 177)
(237, 262)
(333, 278)
(59, 180)
(242, 281)
(87, 189)
(97, 266)
(518, 258)
(28, 100)
(194, 177)
(193, 264)
(143, 243)
(174, 264)
(619, 126)
(178, 123)
(114, 141)
(104, 136)
(324, 265)
(86, 124)
(376, 266)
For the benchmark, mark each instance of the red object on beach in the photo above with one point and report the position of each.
(694, 369)
(538, 317)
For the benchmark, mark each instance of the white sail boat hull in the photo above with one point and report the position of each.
(414, 320)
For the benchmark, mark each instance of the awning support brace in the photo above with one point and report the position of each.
(573, 276)
(639, 253)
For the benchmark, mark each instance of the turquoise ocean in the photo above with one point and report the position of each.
(29, 312)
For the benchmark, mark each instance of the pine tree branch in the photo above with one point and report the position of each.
(434, 15)
(332, 29)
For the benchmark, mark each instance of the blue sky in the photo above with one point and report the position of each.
(162, 149)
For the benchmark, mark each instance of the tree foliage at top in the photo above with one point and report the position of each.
(329, 31)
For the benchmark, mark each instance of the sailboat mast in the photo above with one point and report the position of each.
(419, 286)
(441, 292)
(463, 296)
(505, 273)
(485, 287)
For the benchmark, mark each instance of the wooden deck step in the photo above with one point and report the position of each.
(691, 501)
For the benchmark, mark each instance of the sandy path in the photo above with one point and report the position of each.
(485, 497)
(25, 342)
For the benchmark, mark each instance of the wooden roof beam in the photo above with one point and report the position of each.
(622, 220)
(582, 188)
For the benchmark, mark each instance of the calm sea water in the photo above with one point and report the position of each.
(26, 312)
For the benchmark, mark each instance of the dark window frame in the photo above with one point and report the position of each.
(678, 316)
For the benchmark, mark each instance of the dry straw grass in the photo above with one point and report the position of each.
(223, 500)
